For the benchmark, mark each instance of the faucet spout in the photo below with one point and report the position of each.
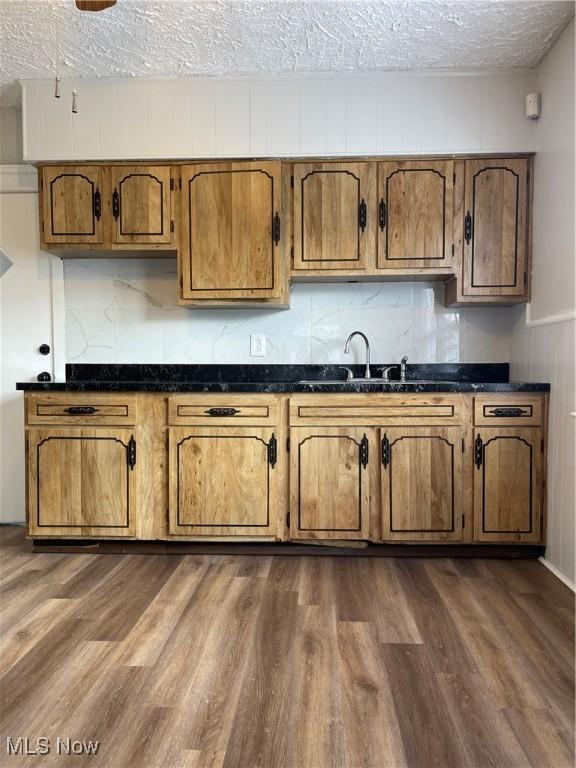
(367, 374)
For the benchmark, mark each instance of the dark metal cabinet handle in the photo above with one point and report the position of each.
(509, 412)
(468, 228)
(81, 410)
(364, 451)
(222, 411)
(131, 453)
(478, 451)
(115, 204)
(382, 215)
(362, 215)
(97, 204)
(276, 228)
(272, 450)
(385, 446)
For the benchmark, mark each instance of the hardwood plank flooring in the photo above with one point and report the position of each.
(242, 661)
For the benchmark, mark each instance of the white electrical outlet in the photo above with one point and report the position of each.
(257, 345)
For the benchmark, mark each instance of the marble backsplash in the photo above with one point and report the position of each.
(125, 311)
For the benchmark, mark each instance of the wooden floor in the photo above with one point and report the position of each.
(308, 662)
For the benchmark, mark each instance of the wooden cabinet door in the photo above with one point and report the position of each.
(140, 204)
(334, 216)
(81, 482)
(508, 484)
(71, 204)
(223, 481)
(415, 214)
(422, 483)
(329, 483)
(495, 227)
(231, 231)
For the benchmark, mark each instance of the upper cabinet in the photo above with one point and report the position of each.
(415, 214)
(242, 230)
(494, 223)
(231, 231)
(107, 208)
(334, 216)
(71, 204)
(141, 204)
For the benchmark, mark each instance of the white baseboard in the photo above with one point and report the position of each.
(557, 573)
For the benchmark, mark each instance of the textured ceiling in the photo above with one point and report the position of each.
(231, 37)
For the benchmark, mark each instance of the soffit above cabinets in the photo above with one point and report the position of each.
(233, 37)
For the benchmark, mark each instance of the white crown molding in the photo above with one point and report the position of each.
(18, 179)
(559, 575)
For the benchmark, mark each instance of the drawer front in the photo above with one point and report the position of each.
(508, 410)
(373, 410)
(74, 408)
(219, 410)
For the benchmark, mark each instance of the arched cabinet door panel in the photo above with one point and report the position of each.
(140, 204)
(82, 482)
(508, 484)
(72, 205)
(415, 214)
(232, 231)
(329, 482)
(334, 216)
(422, 483)
(224, 481)
(495, 227)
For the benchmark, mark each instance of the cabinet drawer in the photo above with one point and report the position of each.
(72, 408)
(374, 409)
(508, 410)
(217, 410)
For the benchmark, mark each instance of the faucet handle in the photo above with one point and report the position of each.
(385, 371)
(349, 372)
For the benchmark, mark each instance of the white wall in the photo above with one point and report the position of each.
(544, 335)
(26, 321)
(10, 135)
(354, 114)
(125, 311)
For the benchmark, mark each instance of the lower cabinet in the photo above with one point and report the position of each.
(508, 465)
(82, 481)
(224, 481)
(422, 483)
(329, 483)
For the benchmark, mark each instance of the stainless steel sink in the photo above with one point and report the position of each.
(372, 381)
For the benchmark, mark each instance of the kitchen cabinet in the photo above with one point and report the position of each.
(508, 466)
(334, 216)
(82, 481)
(422, 483)
(495, 219)
(141, 204)
(223, 481)
(415, 214)
(71, 204)
(383, 467)
(329, 483)
(232, 231)
(107, 208)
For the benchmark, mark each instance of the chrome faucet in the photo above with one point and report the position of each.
(347, 350)
(403, 368)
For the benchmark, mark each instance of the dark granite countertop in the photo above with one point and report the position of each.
(433, 377)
